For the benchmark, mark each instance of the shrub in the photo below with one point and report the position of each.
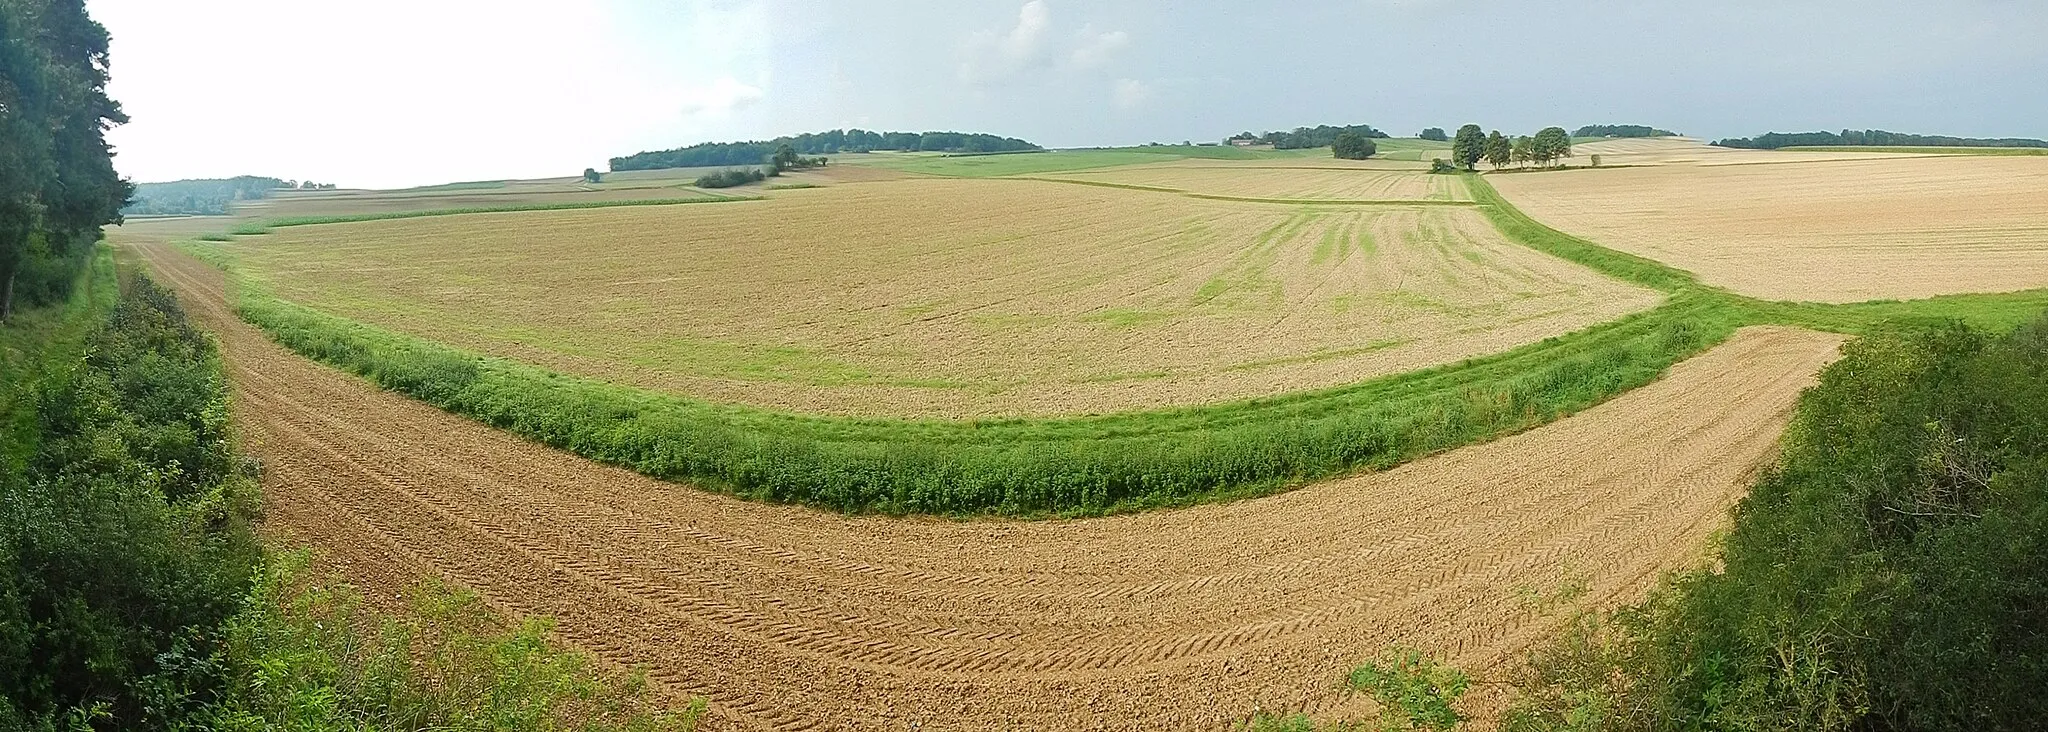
(730, 177)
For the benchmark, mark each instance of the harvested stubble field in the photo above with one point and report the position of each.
(1835, 231)
(1687, 151)
(795, 619)
(967, 299)
(1361, 181)
(518, 194)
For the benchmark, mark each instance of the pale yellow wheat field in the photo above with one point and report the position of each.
(1838, 231)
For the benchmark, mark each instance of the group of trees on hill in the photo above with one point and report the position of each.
(1301, 138)
(1471, 146)
(208, 196)
(1775, 140)
(57, 179)
(759, 152)
(1353, 146)
(1433, 134)
(1621, 131)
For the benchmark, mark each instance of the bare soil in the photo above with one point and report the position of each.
(789, 618)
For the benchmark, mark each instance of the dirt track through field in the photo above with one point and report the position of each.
(795, 619)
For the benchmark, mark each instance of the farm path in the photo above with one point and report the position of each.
(790, 618)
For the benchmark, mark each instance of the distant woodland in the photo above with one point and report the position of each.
(1621, 131)
(713, 154)
(1775, 140)
(1308, 137)
(206, 196)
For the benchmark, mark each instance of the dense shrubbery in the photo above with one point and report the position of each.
(133, 594)
(712, 154)
(1353, 146)
(730, 177)
(125, 539)
(1891, 573)
(1775, 140)
(1621, 131)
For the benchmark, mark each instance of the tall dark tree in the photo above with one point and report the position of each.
(1468, 147)
(57, 179)
(1551, 144)
(590, 175)
(1499, 152)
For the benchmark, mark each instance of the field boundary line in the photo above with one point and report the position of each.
(264, 226)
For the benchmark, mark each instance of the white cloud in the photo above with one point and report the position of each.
(993, 56)
(1129, 94)
(990, 56)
(1097, 48)
(720, 97)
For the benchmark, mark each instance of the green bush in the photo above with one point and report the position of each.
(1890, 573)
(731, 177)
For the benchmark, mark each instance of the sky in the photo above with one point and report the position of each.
(392, 93)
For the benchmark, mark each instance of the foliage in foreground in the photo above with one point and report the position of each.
(306, 654)
(1890, 573)
(134, 594)
(1412, 690)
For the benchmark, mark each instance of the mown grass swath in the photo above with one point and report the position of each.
(263, 226)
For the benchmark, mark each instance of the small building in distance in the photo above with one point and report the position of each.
(1244, 141)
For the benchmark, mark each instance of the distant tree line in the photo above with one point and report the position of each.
(207, 196)
(1307, 137)
(1433, 134)
(1621, 131)
(57, 179)
(710, 154)
(1775, 140)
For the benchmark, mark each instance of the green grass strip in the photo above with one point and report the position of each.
(1521, 229)
(264, 226)
(39, 341)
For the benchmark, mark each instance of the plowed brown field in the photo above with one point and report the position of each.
(1837, 231)
(795, 619)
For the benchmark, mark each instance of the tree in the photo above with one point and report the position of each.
(590, 175)
(1498, 150)
(1353, 146)
(784, 158)
(1468, 147)
(57, 179)
(1434, 134)
(1551, 144)
(1524, 150)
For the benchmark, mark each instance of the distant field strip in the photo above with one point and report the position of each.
(1120, 300)
(1302, 183)
(1843, 231)
(264, 226)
